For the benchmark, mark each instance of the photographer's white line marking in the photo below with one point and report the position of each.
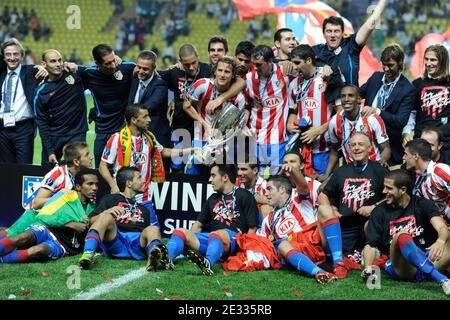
(108, 287)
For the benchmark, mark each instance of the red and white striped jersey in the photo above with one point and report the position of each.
(307, 98)
(259, 187)
(270, 109)
(340, 130)
(140, 158)
(58, 178)
(203, 92)
(298, 216)
(436, 187)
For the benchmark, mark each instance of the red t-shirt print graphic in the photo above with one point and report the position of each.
(434, 99)
(356, 192)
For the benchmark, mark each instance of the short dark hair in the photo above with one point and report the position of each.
(227, 169)
(297, 153)
(250, 160)
(355, 87)
(148, 55)
(394, 52)
(304, 51)
(132, 111)
(72, 151)
(401, 178)
(436, 130)
(337, 21)
(123, 175)
(264, 51)
(99, 51)
(80, 176)
(277, 35)
(421, 147)
(244, 47)
(281, 180)
(218, 39)
(187, 50)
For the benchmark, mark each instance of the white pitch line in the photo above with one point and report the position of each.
(108, 287)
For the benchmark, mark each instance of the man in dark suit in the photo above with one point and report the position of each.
(149, 89)
(17, 83)
(390, 95)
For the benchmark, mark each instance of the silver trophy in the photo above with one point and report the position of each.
(226, 124)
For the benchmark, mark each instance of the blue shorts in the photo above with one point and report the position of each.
(203, 238)
(320, 162)
(270, 155)
(153, 217)
(45, 236)
(126, 245)
(419, 277)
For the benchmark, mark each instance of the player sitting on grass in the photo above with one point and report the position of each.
(59, 228)
(412, 231)
(228, 211)
(123, 228)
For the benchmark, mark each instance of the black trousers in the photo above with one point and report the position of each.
(59, 143)
(17, 143)
(99, 144)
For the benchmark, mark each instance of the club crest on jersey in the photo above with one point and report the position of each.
(118, 75)
(141, 158)
(30, 187)
(272, 102)
(70, 80)
(444, 120)
(310, 103)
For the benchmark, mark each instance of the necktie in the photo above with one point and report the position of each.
(382, 97)
(141, 92)
(8, 93)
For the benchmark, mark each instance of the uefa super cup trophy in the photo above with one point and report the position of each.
(226, 124)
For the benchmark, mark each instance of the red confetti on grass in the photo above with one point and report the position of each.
(105, 273)
(210, 295)
(248, 298)
(25, 293)
(159, 294)
(225, 289)
(226, 274)
(108, 280)
(45, 274)
(297, 294)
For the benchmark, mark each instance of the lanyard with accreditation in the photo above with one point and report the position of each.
(8, 116)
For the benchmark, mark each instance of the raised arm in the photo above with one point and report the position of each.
(366, 29)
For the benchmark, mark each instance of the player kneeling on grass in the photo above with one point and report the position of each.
(228, 211)
(59, 228)
(123, 228)
(412, 231)
(295, 227)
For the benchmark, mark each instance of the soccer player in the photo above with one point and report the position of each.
(228, 211)
(205, 90)
(411, 230)
(284, 40)
(121, 227)
(293, 227)
(433, 179)
(136, 146)
(432, 105)
(343, 53)
(181, 82)
(267, 87)
(76, 156)
(354, 189)
(350, 120)
(312, 97)
(243, 54)
(59, 228)
(110, 85)
(217, 48)
(248, 179)
(60, 108)
(434, 137)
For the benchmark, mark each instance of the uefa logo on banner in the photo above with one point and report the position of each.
(30, 187)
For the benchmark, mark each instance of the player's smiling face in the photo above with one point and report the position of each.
(216, 51)
(138, 183)
(293, 160)
(350, 98)
(393, 194)
(53, 63)
(359, 148)
(246, 174)
(224, 74)
(145, 68)
(333, 35)
(431, 63)
(286, 43)
(108, 64)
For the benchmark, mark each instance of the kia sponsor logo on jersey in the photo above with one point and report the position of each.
(286, 226)
(310, 103)
(272, 102)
